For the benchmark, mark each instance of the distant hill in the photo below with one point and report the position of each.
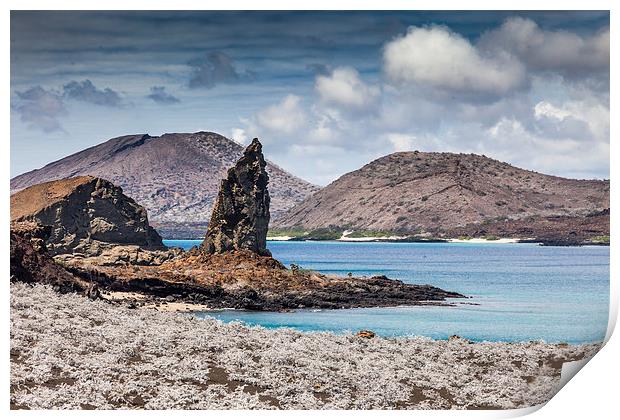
(176, 177)
(447, 194)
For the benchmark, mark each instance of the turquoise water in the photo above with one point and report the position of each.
(523, 291)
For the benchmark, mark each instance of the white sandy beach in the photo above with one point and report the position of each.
(346, 238)
(279, 238)
(485, 241)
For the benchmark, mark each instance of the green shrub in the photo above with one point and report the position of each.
(601, 239)
(370, 234)
(292, 232)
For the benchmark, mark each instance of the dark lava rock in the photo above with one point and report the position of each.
(241, 213)
(30, 262)
(92, 292)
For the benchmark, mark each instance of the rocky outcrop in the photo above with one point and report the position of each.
(246, 280)
(236, 279)
(122, 255)
(30, 262)
(175, 176)
(87, 215)
(240, 215)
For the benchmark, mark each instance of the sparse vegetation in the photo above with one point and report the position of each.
(323, 234)
(298, 269)
(601, 239)
(371, 234)
(68, 352)
(292, 232)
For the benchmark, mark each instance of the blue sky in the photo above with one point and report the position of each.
(325, 91)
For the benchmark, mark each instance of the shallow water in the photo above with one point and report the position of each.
(523, 291)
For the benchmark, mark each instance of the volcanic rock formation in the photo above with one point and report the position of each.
(240, 215)
(30, 262)
(87, 215)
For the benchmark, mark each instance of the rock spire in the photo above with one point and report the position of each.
(240, 216)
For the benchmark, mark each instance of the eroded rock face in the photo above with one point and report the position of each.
(30, 262)
(240, 216)
(121, 255)
(87, 215)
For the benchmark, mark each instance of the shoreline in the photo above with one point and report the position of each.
(398, 239)
(175, 303)
(69, 352)
(140, 301)
(488, 241)
(405, 239)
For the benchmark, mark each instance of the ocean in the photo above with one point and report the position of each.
(519, 292)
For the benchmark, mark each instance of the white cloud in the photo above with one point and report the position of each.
(344, 87)
(444, 93)
(544, 109)
(240, 136)
(511, 141)
(436, 57)
(577, 120)
(562, 52)
(326, 128)
(402, 142)
(284, 117)
(40, 108)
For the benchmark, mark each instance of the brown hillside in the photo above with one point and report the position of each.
(176, 176)
(437, 192)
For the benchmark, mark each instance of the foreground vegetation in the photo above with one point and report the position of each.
(69, 352)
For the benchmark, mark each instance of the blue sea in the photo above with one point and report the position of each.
(521, 292)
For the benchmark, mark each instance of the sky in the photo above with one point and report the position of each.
(326, 92)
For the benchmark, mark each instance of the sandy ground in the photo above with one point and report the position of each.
(370, 238)
(486, 241)
(70, 352)
(160, 305)
(177, 307)
(346, 233)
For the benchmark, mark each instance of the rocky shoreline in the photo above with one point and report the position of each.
(243, 280)
(232, 268)
(68, 352)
